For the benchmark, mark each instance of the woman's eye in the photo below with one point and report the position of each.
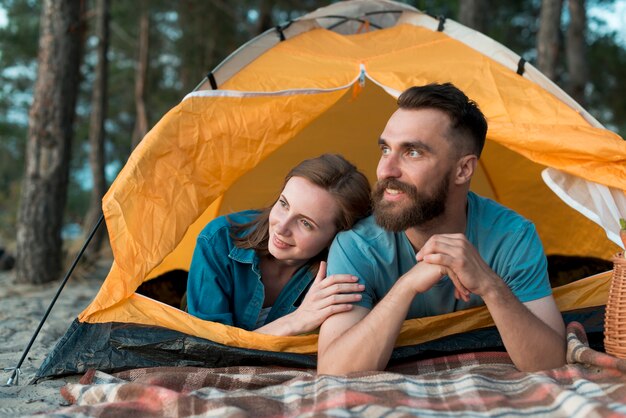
(307, 224)
(282, 203)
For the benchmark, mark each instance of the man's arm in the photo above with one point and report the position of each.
(533, 333)
(362, 340)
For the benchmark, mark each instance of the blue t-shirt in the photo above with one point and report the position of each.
(225, 284)
(507, 242)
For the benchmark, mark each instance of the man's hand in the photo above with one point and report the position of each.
(533, 332)
(460, 260)
(423, 276)
(362, 340)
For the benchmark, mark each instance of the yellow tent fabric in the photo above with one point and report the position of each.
(228, 149)
(590, 292)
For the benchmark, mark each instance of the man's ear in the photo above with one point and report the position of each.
(465, 168)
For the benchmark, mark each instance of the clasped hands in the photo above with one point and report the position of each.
(452, 255)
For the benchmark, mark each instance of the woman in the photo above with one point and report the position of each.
(263, 270)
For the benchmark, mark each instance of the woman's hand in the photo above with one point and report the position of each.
(326, 297)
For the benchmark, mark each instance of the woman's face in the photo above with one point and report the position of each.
(302, 221)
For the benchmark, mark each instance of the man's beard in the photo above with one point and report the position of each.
(421, 208)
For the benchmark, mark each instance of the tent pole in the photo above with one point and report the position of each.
(16, 370)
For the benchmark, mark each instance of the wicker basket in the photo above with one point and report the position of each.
(615, 319)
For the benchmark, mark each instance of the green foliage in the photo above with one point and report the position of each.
(607, 73)
(19, 37)
(18, 50)
(437, 8)
(513, 23)
(516, 26)
(188, 38)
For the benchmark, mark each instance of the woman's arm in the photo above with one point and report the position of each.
(209, 282)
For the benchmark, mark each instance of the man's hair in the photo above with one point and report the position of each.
(467, 123)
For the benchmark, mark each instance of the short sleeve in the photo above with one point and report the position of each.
(527, 269)
(347, 257)
(209, 287)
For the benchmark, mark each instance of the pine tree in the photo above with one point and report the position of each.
(44, 188)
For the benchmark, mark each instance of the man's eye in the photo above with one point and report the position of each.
(413, 153)
(385, 150)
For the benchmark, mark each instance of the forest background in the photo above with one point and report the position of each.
(134, 60)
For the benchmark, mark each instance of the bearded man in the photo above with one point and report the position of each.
(433, 247)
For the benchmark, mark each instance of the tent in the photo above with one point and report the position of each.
(327, 82)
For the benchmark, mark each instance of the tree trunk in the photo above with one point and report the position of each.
(48, 149)
(97, 130)
(141, 120)
(198, 43)
(576, 49)
(472, 13)
(548, 41)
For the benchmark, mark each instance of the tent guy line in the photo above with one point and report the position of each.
(14, 378)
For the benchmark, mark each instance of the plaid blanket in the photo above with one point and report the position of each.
(466, 385)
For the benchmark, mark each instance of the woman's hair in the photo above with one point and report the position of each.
(333, 173)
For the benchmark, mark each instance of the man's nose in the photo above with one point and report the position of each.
(388, 167)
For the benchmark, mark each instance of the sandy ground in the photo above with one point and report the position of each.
(21, 309)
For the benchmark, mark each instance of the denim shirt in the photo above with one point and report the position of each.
(225, 284)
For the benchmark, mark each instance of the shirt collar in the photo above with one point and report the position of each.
(243, 255)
